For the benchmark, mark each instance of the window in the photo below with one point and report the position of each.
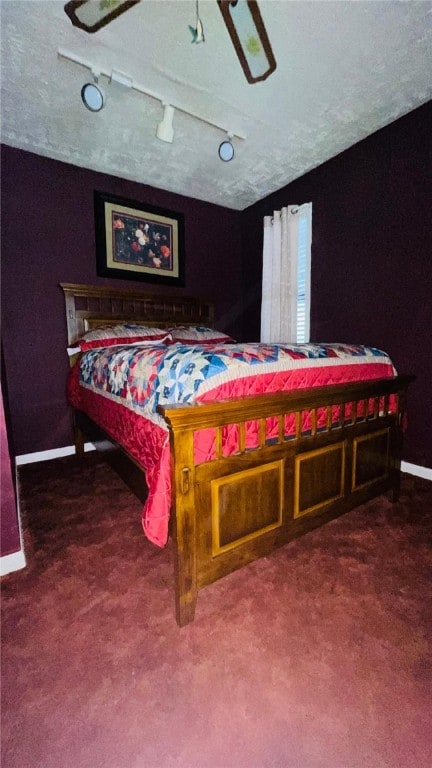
(285, 307)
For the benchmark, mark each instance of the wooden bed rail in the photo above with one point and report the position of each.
(202, 415)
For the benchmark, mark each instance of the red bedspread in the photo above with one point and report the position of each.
(120, 387)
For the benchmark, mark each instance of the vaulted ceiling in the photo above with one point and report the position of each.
(344, 70)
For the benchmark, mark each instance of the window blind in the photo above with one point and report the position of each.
(303, 276)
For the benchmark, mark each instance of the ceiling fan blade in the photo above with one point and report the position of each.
(248, 34)
(242, 18)
(91, 15)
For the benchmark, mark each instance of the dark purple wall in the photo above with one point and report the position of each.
(48, 238)
(371, 256)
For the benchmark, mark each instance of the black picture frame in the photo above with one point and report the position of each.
(135, 241)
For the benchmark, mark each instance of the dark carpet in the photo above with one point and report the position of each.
(318, 656)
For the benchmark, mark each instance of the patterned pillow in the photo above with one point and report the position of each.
(199, 334)
(127, 333)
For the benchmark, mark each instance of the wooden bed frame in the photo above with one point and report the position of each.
(232, 510)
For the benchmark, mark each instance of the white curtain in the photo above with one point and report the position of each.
(280, 284)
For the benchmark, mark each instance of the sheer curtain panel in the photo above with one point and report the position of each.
(285, 305)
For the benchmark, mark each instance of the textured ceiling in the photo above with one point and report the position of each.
(344, 70)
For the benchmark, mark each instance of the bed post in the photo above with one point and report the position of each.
(184, 520)
(398, 431)
(79, 438)
(186, 591)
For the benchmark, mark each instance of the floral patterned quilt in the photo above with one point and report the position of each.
(120, 388)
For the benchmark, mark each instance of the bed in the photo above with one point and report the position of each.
(242, 474)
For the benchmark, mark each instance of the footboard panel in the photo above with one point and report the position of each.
(257, 497)
(371, 459)
(319, 478)
(230, 510)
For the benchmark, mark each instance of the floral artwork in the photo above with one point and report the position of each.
(140, 241)
(137, 243)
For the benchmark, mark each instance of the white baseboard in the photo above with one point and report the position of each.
(68, 450)
(415, 469)
(13, 562)
(54, 453)
(16, 560)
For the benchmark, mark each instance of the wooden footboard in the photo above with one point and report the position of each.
(231, 510)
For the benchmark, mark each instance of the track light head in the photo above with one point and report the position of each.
(165, 130)
(93, 96)
(226, 149)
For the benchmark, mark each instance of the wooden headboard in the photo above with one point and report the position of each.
(90, 306)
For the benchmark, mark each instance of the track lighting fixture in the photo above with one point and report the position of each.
(93, 95)
(165, 130)
(226, 149)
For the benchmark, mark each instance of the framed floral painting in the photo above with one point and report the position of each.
(138, 242)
